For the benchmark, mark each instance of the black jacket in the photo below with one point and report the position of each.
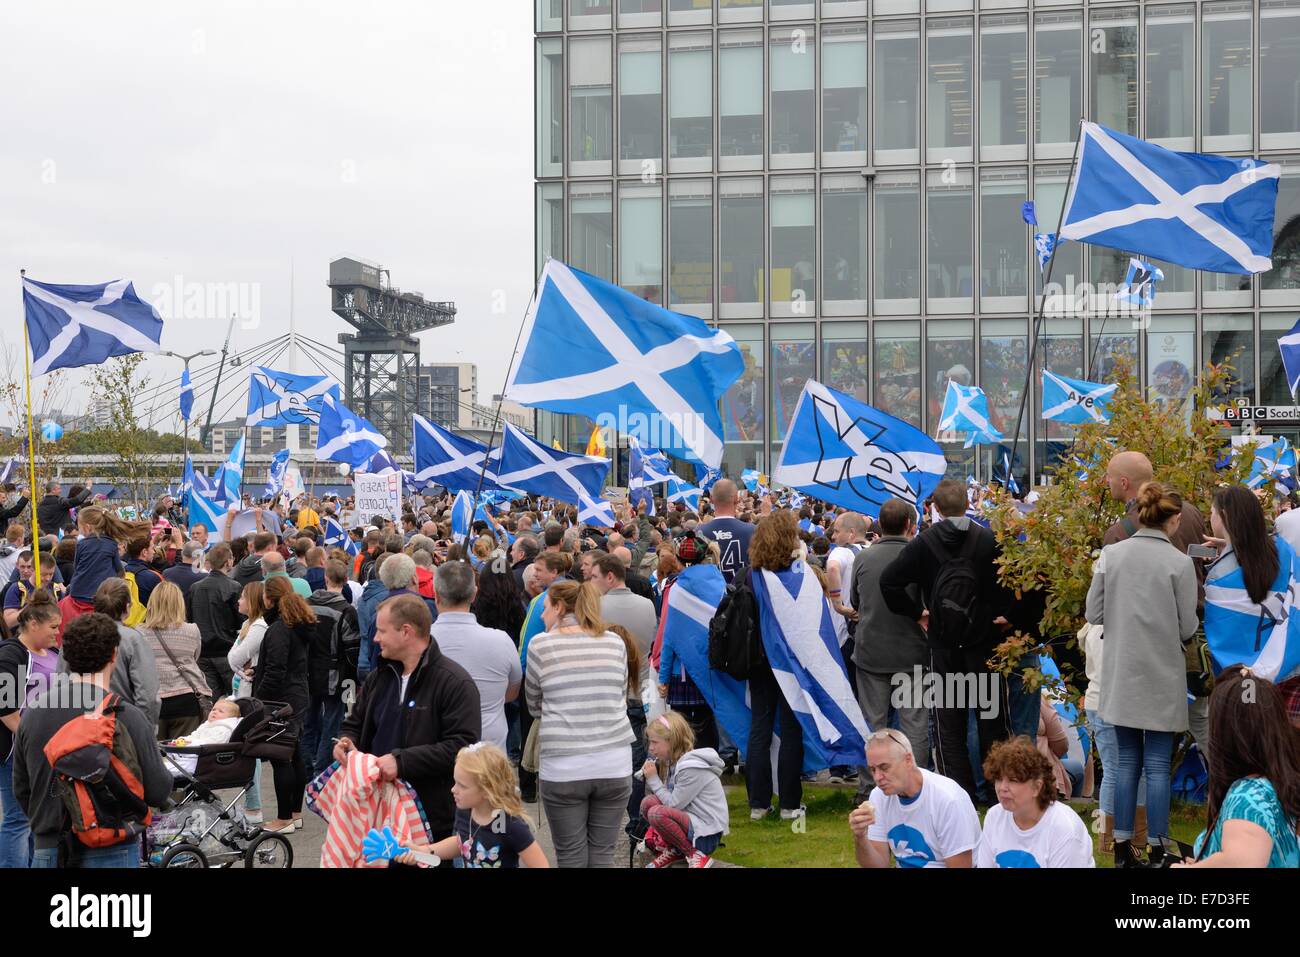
(443, 716)
(917, 565)
(214, 603)
(53, 510)
(281, 673)
(336, 622)
(7, 515)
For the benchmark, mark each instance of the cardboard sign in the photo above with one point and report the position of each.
(377, 495)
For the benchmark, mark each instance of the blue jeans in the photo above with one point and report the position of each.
(1142, 751)
(253, 799)
(365, 659)
(1022, 705)
(117, 856)
(15, 836)
(319, 728)
(706, 844)
(1108, 750)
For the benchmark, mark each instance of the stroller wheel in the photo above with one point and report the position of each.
(184, 855)
(269, 851)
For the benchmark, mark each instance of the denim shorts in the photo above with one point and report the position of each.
(706, 844)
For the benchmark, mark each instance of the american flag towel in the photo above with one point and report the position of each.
(352, 800)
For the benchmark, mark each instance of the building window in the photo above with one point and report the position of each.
(1004, 241)
(1060, 350)
(689, 12)
(1112, 347)
(1004, 361)
(1171, 359)
(690, 96)
(740, 261)
(590, 102)
(844, 91)
(640, 104)
(1226, 95)
(1281, 284)
(794, 103)
(1112, 61)
(897, 243)
(1231, 340)
(550, 222)
(740, 94)
(1279, 72)
(949, 106)
(949, 236)
(640, 241)
(793, 284)
(1274, 389)
(1058, 99)
(590, 14)
(844, 244)
(898, 370)
(846, 360)
(949, 356)
(1004, 89)
(591, 229)
(550, 107)
(794, 362)
(690, 243)
(550, 15)
(742, 405)
(1171, 66)
(897, 90)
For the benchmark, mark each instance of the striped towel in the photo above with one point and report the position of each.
(354, 800)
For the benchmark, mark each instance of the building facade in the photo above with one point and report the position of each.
(448, 392)
(263, 439)
(840, 185)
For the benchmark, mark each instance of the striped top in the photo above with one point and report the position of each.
(577, 685)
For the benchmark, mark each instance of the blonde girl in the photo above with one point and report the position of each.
(686, 808)
(99, 550)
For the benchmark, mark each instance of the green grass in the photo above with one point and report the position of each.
(823, 838)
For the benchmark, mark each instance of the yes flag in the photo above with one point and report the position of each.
(1193, 209)
(1289, 346)
(71, 326)
(531, 467)
(284, 398)
(589, 346)
(966, 409)
(1075, 401)
(187, 395)
(1140, 284)
(344, 436)
(1264, 637)
(276, 472)
(847, 453)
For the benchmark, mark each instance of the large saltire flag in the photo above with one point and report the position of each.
(1266, 636)
(684, 492)
(531, 467)
(452, 461)
(285, 398)
(71, 326)
(845, 452)
(344, 436)
(1074, 400)
(589, 347)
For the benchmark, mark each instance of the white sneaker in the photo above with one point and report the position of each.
(758, 813)
(800, 811)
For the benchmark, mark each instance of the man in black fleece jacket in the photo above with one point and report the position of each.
(416, 710)
(917, 564)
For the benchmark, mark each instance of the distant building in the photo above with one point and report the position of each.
(261, 439)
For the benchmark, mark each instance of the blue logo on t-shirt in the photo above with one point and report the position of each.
(909, 847)
(1016, 859)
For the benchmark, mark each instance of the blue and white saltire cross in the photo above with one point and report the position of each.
(797, 500)
(344, 436)
(845, 452)
(276, 472)
(286, 398)
(381, 463)
(1139, 287)
(966, 409)
(1075, 401)
(1264, 637)
(1289, 347)
(447, 459)
(751, 478)
(71, 326)
(684, 492)
(229, 477)
(462, 514)
(336, 537)
(799, 638)
(589, 347)
(531, 467)
(1277, 462)
(1194, 209)
(187, 395)
(1044, 243)
(205, 511)
(647, 466)
(705, 477)
(1012, 485)
(13, 468)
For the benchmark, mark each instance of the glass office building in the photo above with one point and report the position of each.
(839, 185)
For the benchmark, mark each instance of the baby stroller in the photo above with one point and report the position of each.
(198, 829)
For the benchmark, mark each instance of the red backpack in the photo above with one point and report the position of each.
(97, 775)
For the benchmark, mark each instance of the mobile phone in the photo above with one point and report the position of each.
(1202, 551)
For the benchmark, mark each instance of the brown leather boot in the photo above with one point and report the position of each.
(1107, 832)
(1140, 828)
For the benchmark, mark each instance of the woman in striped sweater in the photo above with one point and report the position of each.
(577, 682)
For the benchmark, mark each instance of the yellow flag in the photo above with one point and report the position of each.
(596, 444)
(555, 444)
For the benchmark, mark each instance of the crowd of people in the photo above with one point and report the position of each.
(534, 662)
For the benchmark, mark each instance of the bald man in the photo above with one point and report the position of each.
(731, 534)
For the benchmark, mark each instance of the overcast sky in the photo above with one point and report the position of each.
(216, 142)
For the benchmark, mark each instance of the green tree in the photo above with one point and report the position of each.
(117, 382)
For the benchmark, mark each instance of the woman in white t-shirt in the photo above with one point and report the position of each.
(1029, 827)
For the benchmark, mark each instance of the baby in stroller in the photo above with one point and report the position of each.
(221, 724)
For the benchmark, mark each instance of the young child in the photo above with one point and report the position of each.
(686, 806)
(221, 723)
(491, 828)
(97, 556)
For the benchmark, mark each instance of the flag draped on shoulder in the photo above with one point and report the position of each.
(344, 436)
(1265, 637)
(845, 452)
(71, 326)
(1075, 401)
(799, 638)
(589, 346)
(285, 398)
(531, 467)
(1194, 209)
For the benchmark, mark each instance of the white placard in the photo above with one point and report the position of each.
(377, 495)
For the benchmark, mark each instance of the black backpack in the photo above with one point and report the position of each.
(957, 617)
(735, 646)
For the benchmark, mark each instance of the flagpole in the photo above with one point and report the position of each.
(31, 443)
(1042, 303)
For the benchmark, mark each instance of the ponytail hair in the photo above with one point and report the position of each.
(1157, 504)
(40, 606)
(101, 521)
(633, 659)
(582, 600)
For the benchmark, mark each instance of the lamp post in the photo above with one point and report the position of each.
(186, 360)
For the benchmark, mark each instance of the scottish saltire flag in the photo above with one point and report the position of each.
(684, 492)
(646, 466)
(187, 395)
(1264, 637)
(1012, 486)
(589, 347)
(275, 472)
(462, 514)
(1193, 209)
(799, 637)
(1075, 401)
(966, 409)
(335, 537)
(843, 451)
(1275, 462)
(344, 436)
(230, 476)
(531, 467)
(751, 479)
(1289, 347)
(71, 326)
(1044, 243)
(12, 469)
(381, 463)
(797, 500)
(285, 398)
(206, 512)
(705, 477)
(1139, 287)
(446, 459)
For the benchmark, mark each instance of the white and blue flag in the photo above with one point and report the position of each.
(684, 492)
(1044, 244)
(589, 346)
(1139, 287)
(276, 473)
(381, 463)
(1074, 400)
(229, 477)
(71, 326)
(447, 459)
(705, 477)
(335, 537)
(966, 409)
(1194, 209)
(344, 436)
(206, 512)
(1010, 476)
(187, 395)
(1289, 347)
(797, 500)
(12, 469)
(1264, 637)
(531, 467)
(286, 398)
(751, 479)
(845, 452)
(462, 514)
(646, 466)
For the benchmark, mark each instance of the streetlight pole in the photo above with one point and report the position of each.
(186, 360)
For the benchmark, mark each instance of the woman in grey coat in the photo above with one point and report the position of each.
(1144, 592)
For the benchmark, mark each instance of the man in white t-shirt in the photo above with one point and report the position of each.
(849, 534)
(922, 819)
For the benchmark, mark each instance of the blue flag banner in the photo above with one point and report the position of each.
(11, 471)
(335, 537)
(799, 638)
(684, 492)
(1075, 401)
(1028, 213)
(1264, 637)
(447, 459)
(751, 479)
(285, 398)
(531, 467)
(589, 346)
(1289, 347)
(966, 409)
(705, 477)
(1044, 243)
(381, 463)
(344, 436)
(72, 326)
(1194, 209)
(462, 513)
(231, 474)
(797, 500)
(847, 453)
(646, 466)
(1009, 476)
(206, 512)
(276, 472)
(187, 395)
(1139, 287)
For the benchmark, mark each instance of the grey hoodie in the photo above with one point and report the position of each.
(695, 786)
